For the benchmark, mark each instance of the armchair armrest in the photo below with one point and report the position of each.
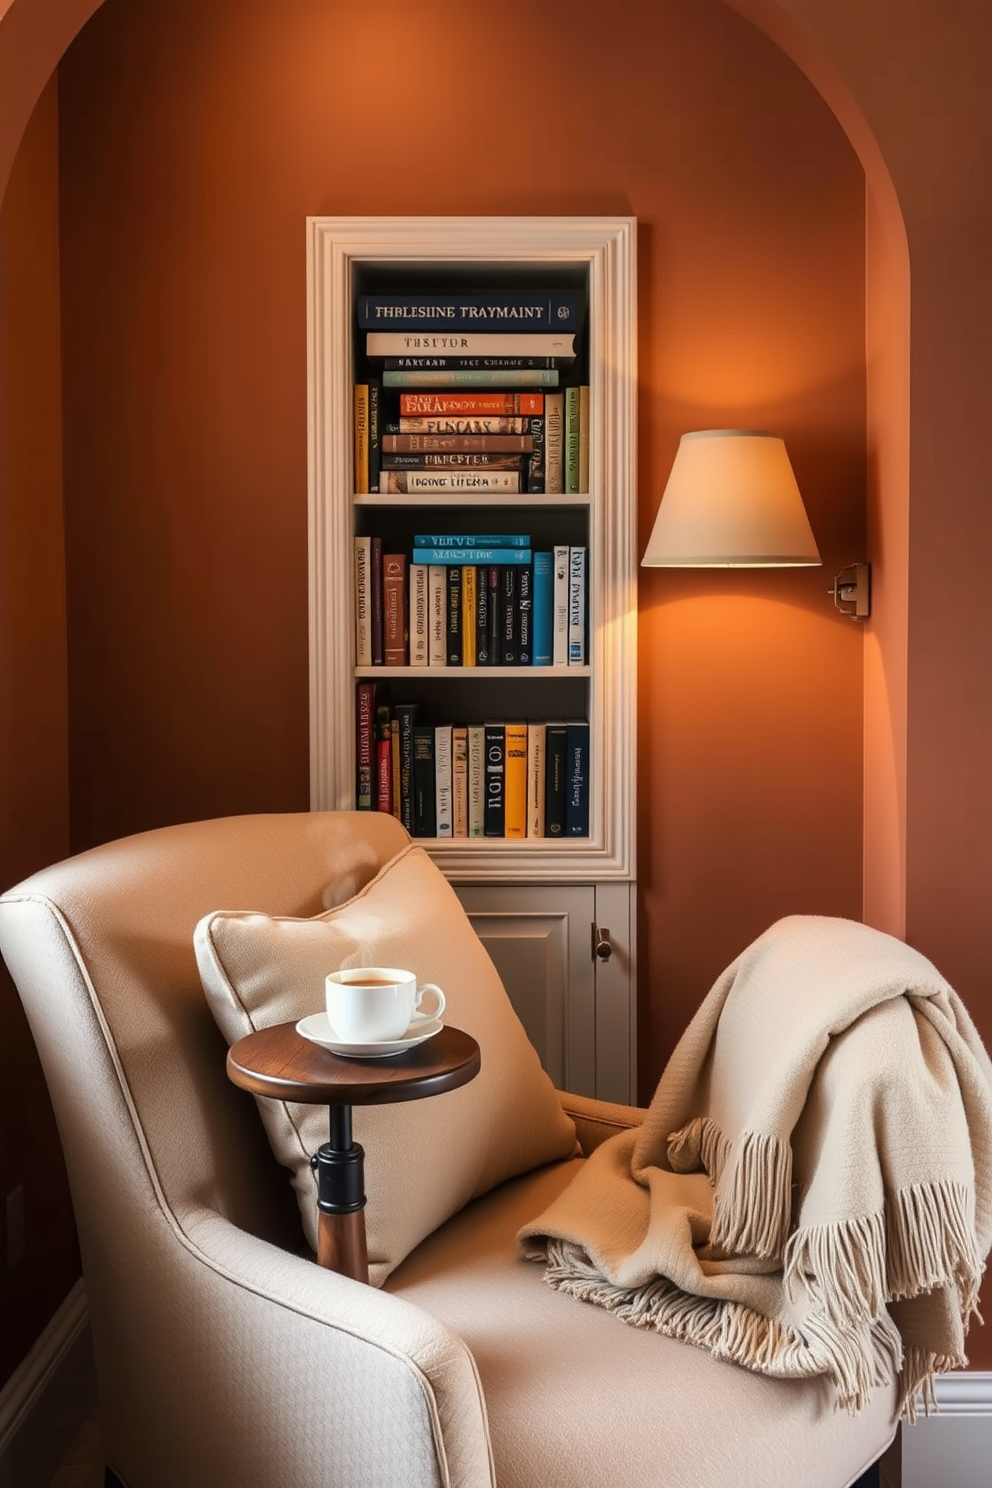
(595, 1120)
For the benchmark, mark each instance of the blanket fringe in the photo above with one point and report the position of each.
(752, 1177)
(931, 1241)
(916, 1380)
(841, 1268)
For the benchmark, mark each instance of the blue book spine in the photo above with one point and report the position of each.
(493, 312)
(474, 556)
(577, 780)
(471, 540)
(543, 608)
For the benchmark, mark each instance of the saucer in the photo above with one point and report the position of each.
(317, 1028)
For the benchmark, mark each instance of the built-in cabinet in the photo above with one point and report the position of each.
(536, 901)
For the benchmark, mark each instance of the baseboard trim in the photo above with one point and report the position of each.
(47, 1397)
(966, 1393)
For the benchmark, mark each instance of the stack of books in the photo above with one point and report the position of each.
(470, 600)
(501, 778)
(467, 394)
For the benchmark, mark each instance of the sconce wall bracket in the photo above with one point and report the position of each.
(852, 591)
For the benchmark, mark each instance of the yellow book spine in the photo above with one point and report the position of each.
(361, 438)
(469, 580)
(515, 781)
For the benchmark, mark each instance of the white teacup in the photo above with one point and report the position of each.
(374, 1004)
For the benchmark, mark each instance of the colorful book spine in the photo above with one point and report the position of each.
(469, 586)
(363, 601)
(419, 615)
(361, 418)
(584, 437)
(484, 364)
(555, 778)
(458, 444)
(471, 555)
(453, 460)
(406, 715)
(572, 407)
(469, 405)
(554, 444)
(375, 422)
(576, 606)
(535, 472)
(495, 807)
(476, 779)
(394, 757)
(424, 805)
(543, 608)
(459, 780)
(469, 343)
(462, 424)
(536, 766)
(467, 377)
(421, 482)
(471, 540)
(559, 634)
(532, 310)
(515, 780)
(437, 615)
(365, 744)
(482, 635)
(453, 641)
(443, 803)
(375, 601)
(493, 645)
(577, 781)
(394, 609)
(509, 625)
(525, 615)
(384, 758)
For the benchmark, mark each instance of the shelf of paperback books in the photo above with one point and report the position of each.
(471, 536)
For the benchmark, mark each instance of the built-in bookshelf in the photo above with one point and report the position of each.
(587, 264)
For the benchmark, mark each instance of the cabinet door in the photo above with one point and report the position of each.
(575, 1007)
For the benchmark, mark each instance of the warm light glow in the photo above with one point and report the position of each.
(731, 502)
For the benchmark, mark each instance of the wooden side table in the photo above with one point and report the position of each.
(279, 1063)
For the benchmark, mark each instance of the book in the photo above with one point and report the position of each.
(483, 364)
(509, 622)
(471, 540)
(471, 555)
(363, 600)
(394, 757)
(424, 805)
(436, 444)
(437, 615)
(538, 377)
(443, 803)
(577, 780)
(469, 576)
(571, 439)
(493, 816)
(482, 630)
(361, 418)
(559, 613)
(375, 422)
(394, 608)
(470, 405)
(493, 572)
(452, 460)
(584, 436)
(554, 444)
(576, 606)
(469, 343)
(488, 423)
(459, 779)
(535, 778)
(419, 616)
(417, 482)
(515, 780)
(364, 744)
(534, 471)
(453, 631)
(476, 779)
(555, 778)
(529, 309)
(383, 758)
(543, 609)
(406, 716)
(525, 615)
(375, 600)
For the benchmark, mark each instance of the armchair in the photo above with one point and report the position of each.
(225, 1355)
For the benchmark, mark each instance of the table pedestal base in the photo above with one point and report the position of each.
(340, 1169)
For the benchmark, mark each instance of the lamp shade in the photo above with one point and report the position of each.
(731, 502)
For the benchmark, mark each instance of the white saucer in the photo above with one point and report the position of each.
(317, 1028)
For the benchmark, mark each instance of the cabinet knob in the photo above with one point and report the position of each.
(602, 946)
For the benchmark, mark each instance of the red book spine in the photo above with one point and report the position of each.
(394, 607)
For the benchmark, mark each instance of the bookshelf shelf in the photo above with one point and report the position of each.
(471, 675)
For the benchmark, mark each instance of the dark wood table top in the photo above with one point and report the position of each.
(280, 1063)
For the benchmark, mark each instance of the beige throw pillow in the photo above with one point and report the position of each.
(424, 1159)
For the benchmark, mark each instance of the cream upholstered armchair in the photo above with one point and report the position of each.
(225, 1355)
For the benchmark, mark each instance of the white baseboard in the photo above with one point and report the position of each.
(47, 1398)
(953, 1448)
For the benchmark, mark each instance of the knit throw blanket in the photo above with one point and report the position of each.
(811, 1190)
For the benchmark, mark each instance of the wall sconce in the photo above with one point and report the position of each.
(732, 502)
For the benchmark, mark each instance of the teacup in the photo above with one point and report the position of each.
(377, 1004)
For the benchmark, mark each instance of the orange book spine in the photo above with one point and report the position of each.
(425, 404)
(515, 781)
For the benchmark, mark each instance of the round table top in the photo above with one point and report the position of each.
(280, 1063)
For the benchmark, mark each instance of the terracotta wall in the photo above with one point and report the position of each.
(33, 735)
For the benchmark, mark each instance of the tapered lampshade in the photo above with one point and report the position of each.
(731, 502)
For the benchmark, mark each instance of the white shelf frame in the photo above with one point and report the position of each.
(336, 247)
